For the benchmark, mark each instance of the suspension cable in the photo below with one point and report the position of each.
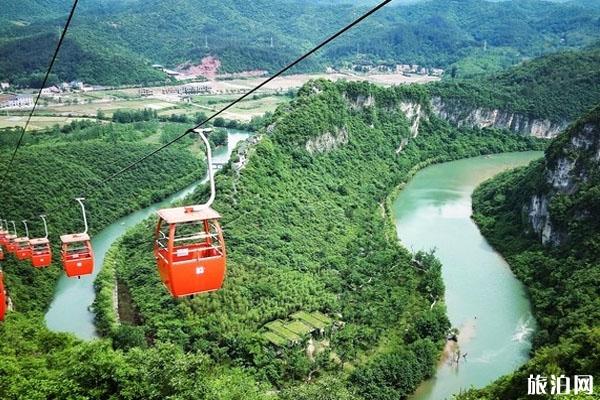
(37, 99)
(233, 103)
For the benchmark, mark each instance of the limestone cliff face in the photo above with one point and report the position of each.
(571, 162)
(479, 117)
(415, 113)
(361, 102)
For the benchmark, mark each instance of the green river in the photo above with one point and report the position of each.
(484, 300)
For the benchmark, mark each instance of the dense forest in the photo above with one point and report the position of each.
(321, 301)
(559, 87)
(116, 42)
(554, 249)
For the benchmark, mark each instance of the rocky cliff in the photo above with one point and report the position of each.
(459, 114)
(570, 190)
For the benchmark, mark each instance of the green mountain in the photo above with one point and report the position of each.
(545, 220)
(310, 239)
(436, 33)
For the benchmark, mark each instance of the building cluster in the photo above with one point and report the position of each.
(9, 99)
(73, 86)
(188, 89)
(417, 69)
(186, 92)
(367, 67)
(15, 100)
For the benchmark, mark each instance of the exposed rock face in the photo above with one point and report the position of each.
(461, 115)
(539, 218)
(415, 113)
(570, 162)
(327, 141)
(361, 102)
(244, 148)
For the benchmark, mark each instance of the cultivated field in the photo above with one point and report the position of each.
(64, 107)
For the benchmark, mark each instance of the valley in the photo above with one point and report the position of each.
(409, 213)
(64, 107)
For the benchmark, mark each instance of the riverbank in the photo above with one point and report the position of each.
(433, 212)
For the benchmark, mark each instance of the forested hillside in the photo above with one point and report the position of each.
(308, 231)
(545, 219)
(559, 87)
(437, 33)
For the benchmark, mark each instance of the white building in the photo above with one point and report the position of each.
(11, 101)
(51, 90)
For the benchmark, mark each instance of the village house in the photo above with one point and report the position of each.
(76, 85)
(51, 90)
(437, 71)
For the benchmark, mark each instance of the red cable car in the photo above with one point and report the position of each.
(76, 251)
(11, 245)
(23, 251)
(189, 246)
(1, 254)
(3, 299)
(41, 253)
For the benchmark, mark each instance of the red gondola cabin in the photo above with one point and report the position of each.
(23, 248)
(41, 254)
(1, 254)
(11, 245)
(76, 250)
(190, 250)
(77, 255)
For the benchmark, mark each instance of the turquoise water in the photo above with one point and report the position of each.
(484, 299)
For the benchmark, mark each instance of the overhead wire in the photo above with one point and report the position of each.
(253, 90)
(322, 44)
(37, 99)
